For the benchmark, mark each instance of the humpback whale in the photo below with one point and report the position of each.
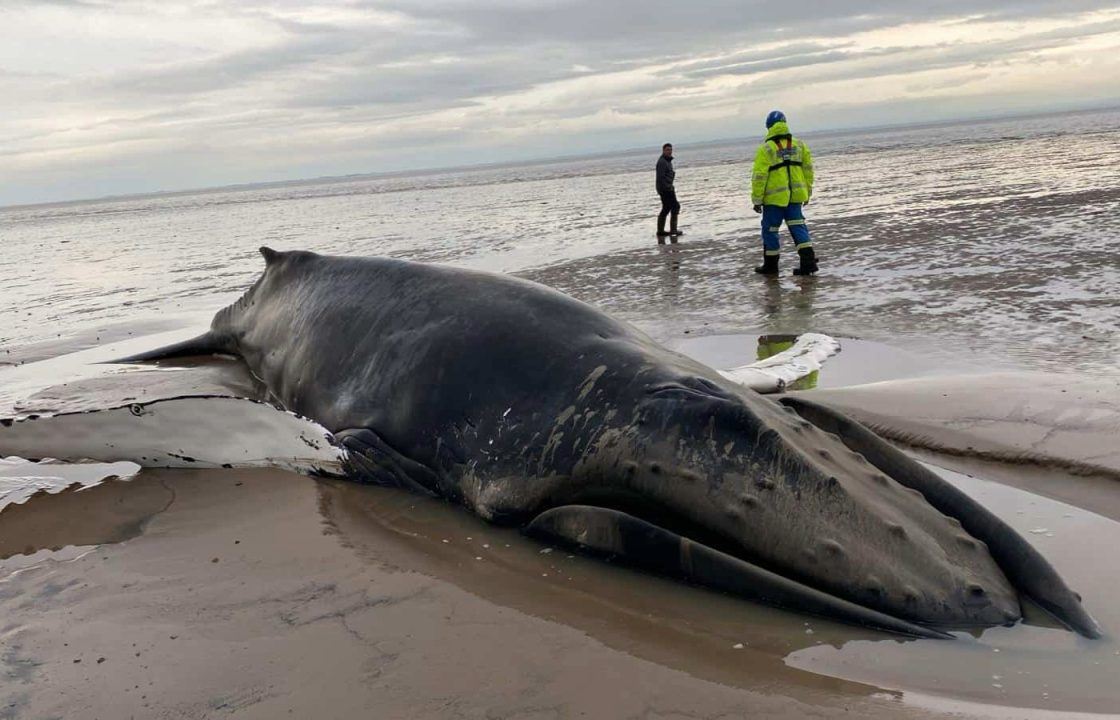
(533, 409)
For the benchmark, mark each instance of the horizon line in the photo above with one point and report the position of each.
(556, 159)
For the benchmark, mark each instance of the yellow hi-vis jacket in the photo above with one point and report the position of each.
(783, 169)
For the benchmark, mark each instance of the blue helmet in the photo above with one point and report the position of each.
(776, 116)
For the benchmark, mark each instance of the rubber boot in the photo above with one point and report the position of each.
(661, 228)
(808, 262)
(769, 265)
(673, 231)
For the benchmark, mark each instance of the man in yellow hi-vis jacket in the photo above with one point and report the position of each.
(782, 181)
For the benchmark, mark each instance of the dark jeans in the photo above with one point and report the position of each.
(669, 204)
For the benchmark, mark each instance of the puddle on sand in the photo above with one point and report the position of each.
(20, 479)
(57, 512)
(739, 643)
(858, 362)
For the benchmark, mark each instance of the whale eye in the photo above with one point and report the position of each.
(696, 388)
(136, 409)
(706, 386)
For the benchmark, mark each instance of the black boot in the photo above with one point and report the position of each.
(673, 231)
(808, 262)
(769, 265)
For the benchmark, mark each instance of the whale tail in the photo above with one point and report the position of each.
(209, 343)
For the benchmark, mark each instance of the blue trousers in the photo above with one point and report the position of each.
(772, 217)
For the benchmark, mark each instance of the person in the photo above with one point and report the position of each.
(781, 183)
(668, 193)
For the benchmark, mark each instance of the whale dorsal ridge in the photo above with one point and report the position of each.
(270, 255)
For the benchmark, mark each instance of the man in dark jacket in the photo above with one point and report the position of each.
(668, 193)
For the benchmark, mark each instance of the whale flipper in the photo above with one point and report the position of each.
(647, 546)
(371, 459)
(177, 432)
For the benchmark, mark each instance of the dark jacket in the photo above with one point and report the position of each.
(665, 175)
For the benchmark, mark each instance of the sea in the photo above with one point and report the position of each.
(994, 242)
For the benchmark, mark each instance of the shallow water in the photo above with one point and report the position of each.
(997, 240)
(20, 479)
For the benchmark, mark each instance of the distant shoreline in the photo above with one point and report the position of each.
(554, 160)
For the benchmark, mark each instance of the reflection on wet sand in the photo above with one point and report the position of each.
(787, 302)
(669, 251)
(228, 518)
(771, 345)
(658, 619)
(691, 629)
(240, 599)
(111, 512)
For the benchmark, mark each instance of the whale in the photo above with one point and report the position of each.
(532, 409)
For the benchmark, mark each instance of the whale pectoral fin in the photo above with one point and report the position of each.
(372, 460)
(601, 531)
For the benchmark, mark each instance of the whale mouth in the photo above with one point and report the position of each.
(605, 531)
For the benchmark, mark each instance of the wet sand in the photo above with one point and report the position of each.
(111, 512)
(263, 593)
(1020, 418)
(923, 259)
(246, 598)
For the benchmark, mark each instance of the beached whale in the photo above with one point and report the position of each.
(534, 409)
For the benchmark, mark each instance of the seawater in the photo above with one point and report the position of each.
(995, 240)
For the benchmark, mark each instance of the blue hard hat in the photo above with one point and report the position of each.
(775, 116)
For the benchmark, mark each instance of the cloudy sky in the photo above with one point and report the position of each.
(101, 97)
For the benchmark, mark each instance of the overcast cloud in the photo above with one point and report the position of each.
(105, 97)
